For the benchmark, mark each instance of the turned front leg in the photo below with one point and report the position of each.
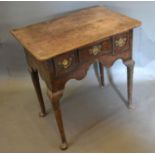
(55, 98)
(101, 68)
(130, 69)
(36, 83)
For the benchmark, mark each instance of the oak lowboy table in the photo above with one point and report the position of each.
(64, 48)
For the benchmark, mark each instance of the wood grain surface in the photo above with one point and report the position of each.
(49, 39)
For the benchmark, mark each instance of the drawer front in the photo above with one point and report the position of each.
(98, 49)
(65, 63)
(121, 42)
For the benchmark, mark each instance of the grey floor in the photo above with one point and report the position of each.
(96, 119)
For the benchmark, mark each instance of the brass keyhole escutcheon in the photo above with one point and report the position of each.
(120, 42)
(95, 50)
(65, 63)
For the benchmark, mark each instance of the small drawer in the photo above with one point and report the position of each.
(98, 49)
(65, 63)
(121, 42)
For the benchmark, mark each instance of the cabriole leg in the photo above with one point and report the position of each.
(55, 98)
(35, 80)
(130, 68)
(101, 68)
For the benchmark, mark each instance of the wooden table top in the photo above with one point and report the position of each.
(48, 39)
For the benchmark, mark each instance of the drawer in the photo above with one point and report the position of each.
(121, 42)
(95, 50)
(65, 63)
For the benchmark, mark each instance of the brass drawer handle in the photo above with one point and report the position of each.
(95, 50)
(120, 42)
(65, 63)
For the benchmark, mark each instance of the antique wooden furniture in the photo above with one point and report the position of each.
(64, 48)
